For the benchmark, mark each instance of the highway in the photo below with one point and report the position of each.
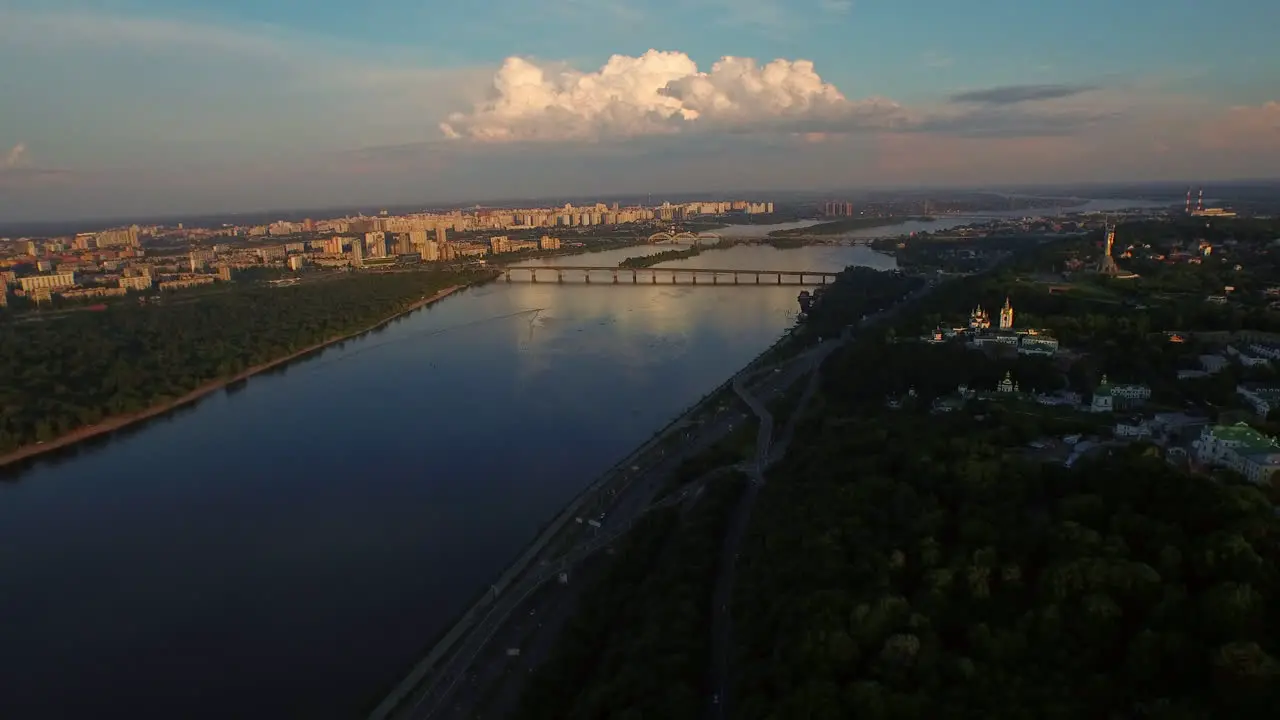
(436, 696)
(481, 679)
(768, 453)
(721, 618)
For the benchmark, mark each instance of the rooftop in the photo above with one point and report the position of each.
(1249, 439)
(1271, 459)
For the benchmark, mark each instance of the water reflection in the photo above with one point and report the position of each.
(287, 548)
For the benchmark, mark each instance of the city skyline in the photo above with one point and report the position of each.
(134, 107)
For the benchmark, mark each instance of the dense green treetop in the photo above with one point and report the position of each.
(903, 564)
(906, 564)
(80, 368)
(644, 261)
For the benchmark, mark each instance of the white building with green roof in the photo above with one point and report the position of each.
(1241, 448)
(1108, 397)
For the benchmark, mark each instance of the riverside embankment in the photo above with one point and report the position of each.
(298, 541)
(119, 422)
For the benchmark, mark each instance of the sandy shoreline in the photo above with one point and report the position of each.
(112, 424)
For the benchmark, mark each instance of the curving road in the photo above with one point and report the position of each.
(455, 684)
(767, 453)
(461, 684)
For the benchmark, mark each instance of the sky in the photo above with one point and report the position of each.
(151, 107)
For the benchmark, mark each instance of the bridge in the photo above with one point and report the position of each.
(682, 238)
(666, 276)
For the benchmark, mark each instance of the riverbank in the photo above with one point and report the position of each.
(119, 422)
(647, 261)
(551, 536)
(837, 227)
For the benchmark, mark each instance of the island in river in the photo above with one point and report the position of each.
(844, 225)
(298, 541)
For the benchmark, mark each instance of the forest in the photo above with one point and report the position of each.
(644, 261)
(856, 291)
(903, 564)
(78, 369)
(639, 645)
(906, 565)
(837, 227)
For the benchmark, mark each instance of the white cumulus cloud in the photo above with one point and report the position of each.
(15, 156)
(661, 93)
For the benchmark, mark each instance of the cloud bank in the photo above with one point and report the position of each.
(1015, 94)
(347, 120)
(662, 93)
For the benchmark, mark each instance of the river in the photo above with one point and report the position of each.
(287, 549)
(948, 222)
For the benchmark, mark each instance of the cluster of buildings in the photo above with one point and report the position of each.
(115, 262)
(1241, 448)
(498, 219)
(1107, 397)
(978, 333)
(84, 269)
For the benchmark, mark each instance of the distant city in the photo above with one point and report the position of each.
(115, 262)
(144, 258)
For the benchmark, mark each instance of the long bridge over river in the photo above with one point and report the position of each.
(659, 275)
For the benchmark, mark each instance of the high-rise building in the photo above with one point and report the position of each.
(47, 282)
(137, 282)
(357, 254)
(121, 236)
(833, 208)
(376, 243)
(197, 261)
(418, 242)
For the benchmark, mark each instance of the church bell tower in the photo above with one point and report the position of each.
(1006, 315)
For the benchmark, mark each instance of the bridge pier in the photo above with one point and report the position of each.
(618, 275)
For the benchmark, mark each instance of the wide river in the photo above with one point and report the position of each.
(287, 549)
(944, 222)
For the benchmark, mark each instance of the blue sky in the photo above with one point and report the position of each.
(124, 106)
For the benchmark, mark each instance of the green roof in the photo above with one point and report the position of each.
(1104, 387)
(1248, 438)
